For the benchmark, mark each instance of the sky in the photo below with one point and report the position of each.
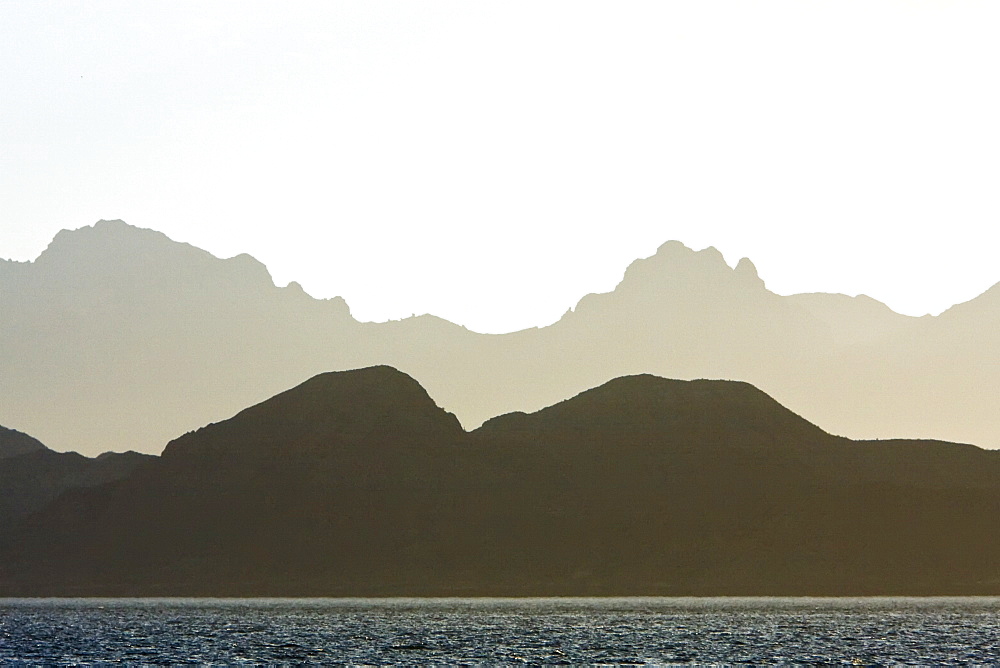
(491, 162)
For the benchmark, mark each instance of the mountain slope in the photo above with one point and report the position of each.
(119, 338)
(357, 484)
(32, 476)
(14, 443)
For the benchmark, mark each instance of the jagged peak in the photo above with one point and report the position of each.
(673, 257)
(674, 249)
(115, 243)
(251, 266)
(747, 272)
(676, 266)
(337, 304)
(110, 236)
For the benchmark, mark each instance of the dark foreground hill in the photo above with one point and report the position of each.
(356, 483)
(32, 476)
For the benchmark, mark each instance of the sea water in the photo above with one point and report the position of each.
(654, 631)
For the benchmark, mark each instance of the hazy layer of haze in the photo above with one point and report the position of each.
(119, 338)
(490, 162)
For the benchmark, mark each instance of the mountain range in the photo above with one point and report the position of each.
(32, 475)
(357, 483)
(118, 338)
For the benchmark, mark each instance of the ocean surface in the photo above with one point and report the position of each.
(653, 631)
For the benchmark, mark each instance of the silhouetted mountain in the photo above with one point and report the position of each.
(356, 483)
(119, 338)
(359, 408)
(14, 443)
(32, 476)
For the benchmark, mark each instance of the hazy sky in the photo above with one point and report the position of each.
(492, 162)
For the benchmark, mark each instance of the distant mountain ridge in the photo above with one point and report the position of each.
(119, 338)
(356, 483)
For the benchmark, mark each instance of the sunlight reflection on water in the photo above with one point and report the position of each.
(539, 631)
